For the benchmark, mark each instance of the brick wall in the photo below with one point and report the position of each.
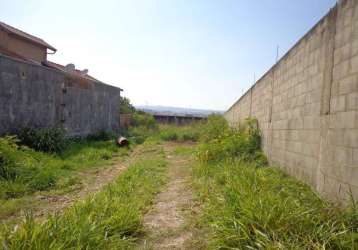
(307, 106)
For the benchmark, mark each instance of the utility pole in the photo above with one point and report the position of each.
(277, 51)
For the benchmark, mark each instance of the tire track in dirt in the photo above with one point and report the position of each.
(166, 224)
(91, 184)
(92, 181)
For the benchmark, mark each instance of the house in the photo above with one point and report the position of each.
(21, 45)
(16, 43)
(38, 93)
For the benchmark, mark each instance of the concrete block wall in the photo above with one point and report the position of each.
(307, 106)
(36, 96)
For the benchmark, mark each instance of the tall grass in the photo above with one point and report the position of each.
(261, 208)
(111, 219)
(190, 132)
(219, 142)
(24, 170)
(49, 140)
(247, 205)
(144, 126)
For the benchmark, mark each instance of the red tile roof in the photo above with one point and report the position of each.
(26, 36)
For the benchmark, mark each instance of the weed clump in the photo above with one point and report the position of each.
(142, 127)
(49, 140)
(190, 132)
(220, 142)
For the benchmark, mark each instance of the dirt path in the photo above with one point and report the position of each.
(166, 224)
(92, 180)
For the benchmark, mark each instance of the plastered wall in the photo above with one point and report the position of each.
(39, 97)
(24, 48)
(307, 106)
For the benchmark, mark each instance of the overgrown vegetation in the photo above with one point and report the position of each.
(189, 132)
(110, 219)
(50, 140)
(245, 203)
(221, 142)
(249, 206)
(24, 170)
(125, 106)
(144, 126)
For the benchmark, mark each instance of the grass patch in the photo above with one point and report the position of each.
(138, 133)
(111, 219)
(189, 132)
(24, 171)
(247, 205)
(184, 150)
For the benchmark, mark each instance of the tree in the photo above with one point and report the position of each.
(125, 106)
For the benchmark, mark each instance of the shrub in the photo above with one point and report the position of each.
(189, 132)
(144, 119)
(190, 136)
(139, 134)
(51, 140)
(102, 135)
(169, 135)
(143, 126)
(242, 142)
(215, 128)
(125, 106)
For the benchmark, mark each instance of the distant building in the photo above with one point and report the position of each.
(178, 119)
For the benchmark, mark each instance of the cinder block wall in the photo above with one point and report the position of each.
(35, 96)
(307, 106)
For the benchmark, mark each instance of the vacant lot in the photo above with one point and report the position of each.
(205, 186)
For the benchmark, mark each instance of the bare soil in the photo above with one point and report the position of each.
(166, 224)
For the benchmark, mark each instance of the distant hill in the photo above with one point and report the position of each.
(176, 110)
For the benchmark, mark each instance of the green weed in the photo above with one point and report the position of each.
(24, 171)
(49, 140)
(246, 206)
(261, 208)
(191, 132)
(111, 219)
(220, 142)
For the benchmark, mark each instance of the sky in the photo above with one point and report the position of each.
(181, 53)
